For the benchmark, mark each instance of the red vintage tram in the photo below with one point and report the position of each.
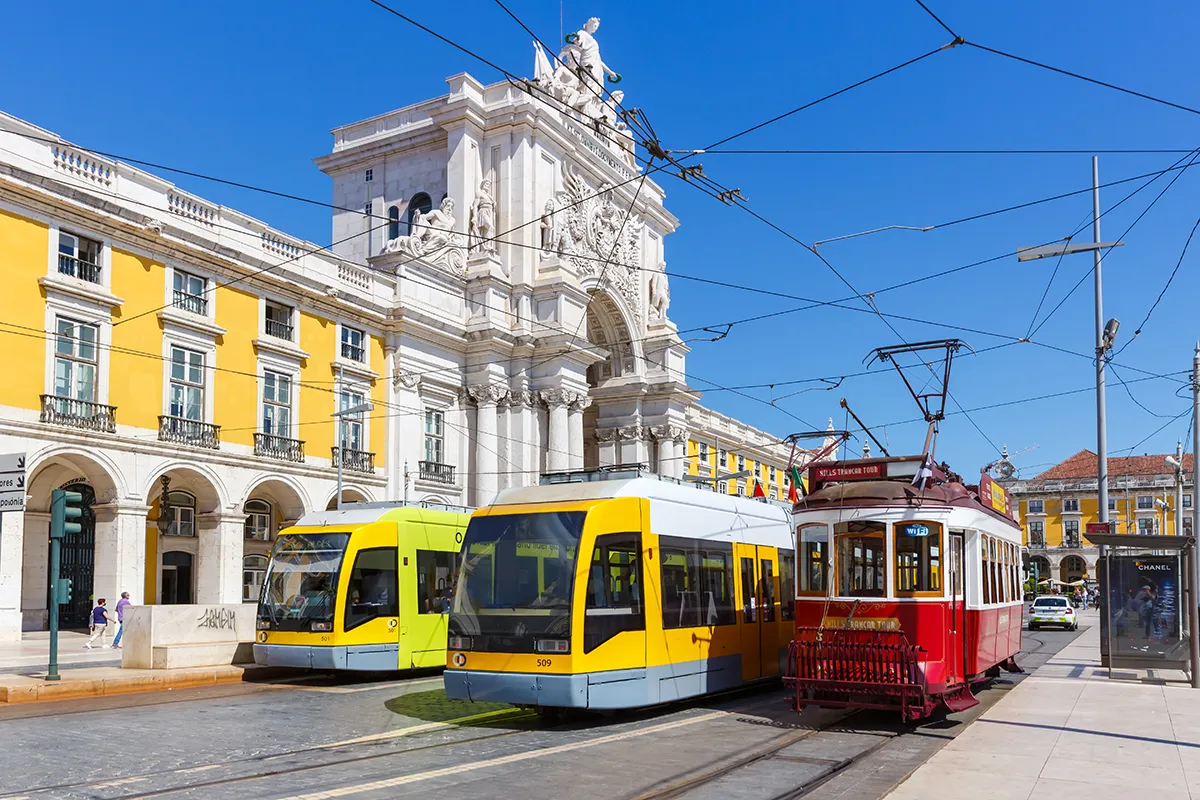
(908, 591)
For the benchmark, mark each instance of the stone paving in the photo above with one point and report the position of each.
(31, 655)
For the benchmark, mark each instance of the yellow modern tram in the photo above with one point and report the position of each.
(616, 589)
(365, 588)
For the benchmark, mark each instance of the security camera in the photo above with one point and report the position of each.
(1171, 462)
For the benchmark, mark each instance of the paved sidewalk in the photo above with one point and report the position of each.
(32, 653)
(1069, 730)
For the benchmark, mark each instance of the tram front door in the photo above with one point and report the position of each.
(758, 572)
(956, 631)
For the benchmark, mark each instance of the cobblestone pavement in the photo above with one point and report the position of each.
(371, 738)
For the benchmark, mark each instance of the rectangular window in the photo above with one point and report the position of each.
(372, 590)
(78, 257)
(279, 322)
(918, 557)
(436, 571)
(1145, 526)
(1145, 501)
(861, 567)
(723, 459)
(1187, 501)
(741, 463)
(614, 589)
(1112, 504)
(277, 404)
(787, 585)
(1071, 505)
(697, 583)
(722, 487)
(1187, 526)
(352, 344)
(955, 568)
(352, 426)
(187, 384)
(985, 544)
(813, 543)
(749, 603)
(189, 293)
(703, 450)
(1037, 533)
(767, 568)
(75, 360)
(1036, 506)
(370, 175)
(434, 441)
(1071, 533)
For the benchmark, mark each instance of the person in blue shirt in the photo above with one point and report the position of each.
(100, 620)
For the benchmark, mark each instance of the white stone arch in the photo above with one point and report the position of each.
(53, 466)
(290, 495)
(610, 326)
(196, 478)
(351, 493)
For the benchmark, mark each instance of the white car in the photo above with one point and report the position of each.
(1054, 611)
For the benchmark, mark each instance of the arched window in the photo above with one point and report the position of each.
(393, 223)
(420, 203)
(258, 520)
(181, 514)
(254, 571)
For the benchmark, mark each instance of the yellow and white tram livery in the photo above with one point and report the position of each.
(616, 589)
(364, 588)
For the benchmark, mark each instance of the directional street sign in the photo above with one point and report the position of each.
(12, 482)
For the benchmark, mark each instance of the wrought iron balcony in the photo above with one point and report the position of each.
(438, 473)
(178, 430)
(279, 447)
(279, 330)
(354, 460)
(353, 352)
(197, 304)
(1037, 542)
(78, 268)
(1072, 540)
(79, 414)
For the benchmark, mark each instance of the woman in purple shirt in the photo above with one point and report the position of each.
(121, 604)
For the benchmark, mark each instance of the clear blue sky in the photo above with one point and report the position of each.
(249, 91)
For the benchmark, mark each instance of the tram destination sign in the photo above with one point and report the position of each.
(12, 482)
(821, 473)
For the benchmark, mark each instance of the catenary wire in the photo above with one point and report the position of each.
(1163, 292)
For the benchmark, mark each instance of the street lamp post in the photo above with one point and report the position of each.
(1176, 463)
(1106, 333)
(341, 418)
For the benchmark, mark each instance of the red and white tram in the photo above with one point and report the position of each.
(907, 595)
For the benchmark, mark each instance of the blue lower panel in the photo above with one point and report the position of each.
(630, 688)
(307, 657)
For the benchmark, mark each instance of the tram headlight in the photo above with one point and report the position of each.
(263, 625)
(553, 646)
(322, 626)
(459, 643)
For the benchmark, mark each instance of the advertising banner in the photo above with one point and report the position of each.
(1141, 616)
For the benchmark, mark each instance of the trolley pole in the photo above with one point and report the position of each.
(1194, 561)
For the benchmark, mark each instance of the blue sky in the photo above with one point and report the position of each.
(249, 91)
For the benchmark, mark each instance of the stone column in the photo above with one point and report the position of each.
(558, 442)
(35, 570)
(219, 563)
(12, 545)
(408, 446)
(120, 556)
(681, 438)
(666, 449)
(523, 431)
(575, 424)
(609, 447)
(487, 460)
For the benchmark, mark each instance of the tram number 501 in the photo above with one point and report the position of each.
(543, 662)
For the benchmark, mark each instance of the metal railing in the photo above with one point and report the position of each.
(178, 430)
(194, 303)
(1072, 540)
(79, 414)
(78, 268)
(354, 460)
(280, 447)
(353, 352)
(438, 473)
(1037, 542)
(279, 330)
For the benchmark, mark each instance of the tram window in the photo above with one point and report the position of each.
(697, 583)
(918, 557)
(436, 572)
(768, 590)
(614, 590)
(372, 591)
(787, 584)
(955, 569)
(748, 601)
(860, 559)
(814, 558)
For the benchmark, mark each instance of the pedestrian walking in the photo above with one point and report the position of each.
(100, 619)
(122, 604)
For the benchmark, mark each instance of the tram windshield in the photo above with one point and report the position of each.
(301, 584)
(515, 584)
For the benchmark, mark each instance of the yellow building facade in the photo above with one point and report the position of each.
(720, 445)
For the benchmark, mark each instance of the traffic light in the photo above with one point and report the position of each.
(65, 506)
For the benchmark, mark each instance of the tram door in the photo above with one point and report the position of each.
(768, 594)
(757, 571)
(956, 631)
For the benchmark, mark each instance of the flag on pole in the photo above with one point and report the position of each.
(794, 489)
(758, 490)
(925, 471)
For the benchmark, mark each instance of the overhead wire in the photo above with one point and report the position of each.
(1163, 292)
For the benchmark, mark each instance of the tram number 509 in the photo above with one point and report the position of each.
(543, 662)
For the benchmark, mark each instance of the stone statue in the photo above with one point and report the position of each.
(589, 55)
(660, 293)
(430, 231)
(483, 219)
